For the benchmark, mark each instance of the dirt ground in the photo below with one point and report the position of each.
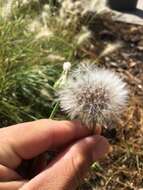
(123, 168)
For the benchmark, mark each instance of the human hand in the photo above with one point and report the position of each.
(78, 150)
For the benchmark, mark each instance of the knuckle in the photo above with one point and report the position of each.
(80, 156)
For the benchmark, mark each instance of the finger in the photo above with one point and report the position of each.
(98, 130)
(27, 140)
(15, 185)
(71, 166)
(6, 174)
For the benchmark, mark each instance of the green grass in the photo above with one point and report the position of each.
(27, 74)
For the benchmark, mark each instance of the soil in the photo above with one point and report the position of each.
(123, 168)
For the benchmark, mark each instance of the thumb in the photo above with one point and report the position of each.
(69, 168)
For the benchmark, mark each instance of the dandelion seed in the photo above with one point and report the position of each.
(93, 95)
(62, 80)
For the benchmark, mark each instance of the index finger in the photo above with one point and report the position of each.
(30, 139)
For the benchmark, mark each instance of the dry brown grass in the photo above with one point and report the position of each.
(123, 168)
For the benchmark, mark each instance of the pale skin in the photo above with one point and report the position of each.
(77, 150)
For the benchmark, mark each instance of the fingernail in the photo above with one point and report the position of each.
(101, 148)
(98, 129)
(80, 124)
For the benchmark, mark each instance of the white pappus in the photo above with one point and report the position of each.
(93, 95)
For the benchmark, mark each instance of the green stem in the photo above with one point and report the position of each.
(56, 106)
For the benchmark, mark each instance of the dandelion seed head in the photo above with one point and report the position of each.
(66, 66)
(93, 95)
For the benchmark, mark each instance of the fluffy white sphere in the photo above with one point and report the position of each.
(93, 95)
(66, 66)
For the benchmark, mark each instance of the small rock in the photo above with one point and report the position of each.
(140, 45)
(132, 64)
